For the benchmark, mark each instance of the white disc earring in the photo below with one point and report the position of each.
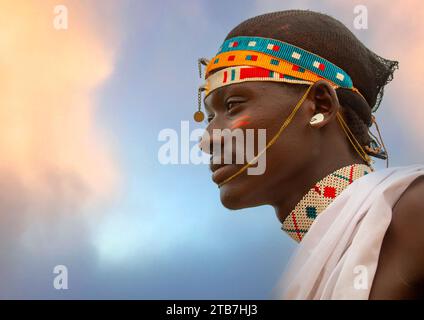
(317, 118)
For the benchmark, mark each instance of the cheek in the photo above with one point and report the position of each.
(255, 117)
(286, 151)
(241, 122)
(293, 150)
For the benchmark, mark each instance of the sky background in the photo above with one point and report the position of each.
(80, 114)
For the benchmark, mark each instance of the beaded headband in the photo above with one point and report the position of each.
(277, 56)
(243, 58)
(239, 74)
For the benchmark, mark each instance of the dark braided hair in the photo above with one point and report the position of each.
(330, 39)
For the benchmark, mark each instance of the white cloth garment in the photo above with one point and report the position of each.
(344, 241)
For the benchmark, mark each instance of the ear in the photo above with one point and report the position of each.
(324, 101)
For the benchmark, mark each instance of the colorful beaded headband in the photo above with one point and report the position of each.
(243, 58)
(239, 74)
(269, 60)
(280, 57)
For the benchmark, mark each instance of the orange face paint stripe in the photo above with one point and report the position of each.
(239, 124)
(240, 121)
(241, 118)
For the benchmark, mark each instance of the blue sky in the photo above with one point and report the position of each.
(163, 232)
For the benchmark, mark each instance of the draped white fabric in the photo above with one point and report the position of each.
(338, 256)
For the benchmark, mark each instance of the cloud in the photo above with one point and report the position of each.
(55, 160)
(397, 32)
(48, 84)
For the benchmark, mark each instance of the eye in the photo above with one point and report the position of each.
(210, 117)
(232, 103)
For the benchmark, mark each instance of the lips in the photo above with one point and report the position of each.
(221, 171)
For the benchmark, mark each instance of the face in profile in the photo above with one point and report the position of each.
(260, 105)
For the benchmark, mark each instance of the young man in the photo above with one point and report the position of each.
(306, 79)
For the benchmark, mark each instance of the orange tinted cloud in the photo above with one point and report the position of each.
(48, 81)
(396, 32)
(399, 34)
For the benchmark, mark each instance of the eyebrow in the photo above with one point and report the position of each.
(221, 91)
(228, 89)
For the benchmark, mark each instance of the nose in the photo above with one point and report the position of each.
(208, 141)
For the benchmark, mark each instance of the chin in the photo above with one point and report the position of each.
(234, 196)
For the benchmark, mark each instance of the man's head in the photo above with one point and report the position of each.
(302, 146)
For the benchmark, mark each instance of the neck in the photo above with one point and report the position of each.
(298, 214)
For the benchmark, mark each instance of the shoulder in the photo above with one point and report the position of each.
(408, 212)
(400, 269)
(414, 192)
(407, 229)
